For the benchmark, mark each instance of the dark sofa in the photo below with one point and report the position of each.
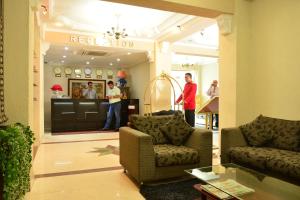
(267, 144)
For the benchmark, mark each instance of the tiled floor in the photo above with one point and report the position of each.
(80, 167)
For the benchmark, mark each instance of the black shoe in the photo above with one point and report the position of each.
(105, 129)
(116, 130)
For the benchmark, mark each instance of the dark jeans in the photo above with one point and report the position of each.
(114, 109)
(216, 116)
(190, 117)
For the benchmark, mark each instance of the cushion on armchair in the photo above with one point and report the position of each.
(177, 130)
(150, 125)
(170, 155)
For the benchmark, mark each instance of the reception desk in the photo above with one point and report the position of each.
(86, 114)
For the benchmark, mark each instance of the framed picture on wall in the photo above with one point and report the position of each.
(76, 87)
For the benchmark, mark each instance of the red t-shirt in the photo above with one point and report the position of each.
(189, 94)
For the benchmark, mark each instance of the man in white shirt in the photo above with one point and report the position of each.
(89, 93)
(114, 96)
(213, 90)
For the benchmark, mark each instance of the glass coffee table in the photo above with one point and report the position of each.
(231, 181)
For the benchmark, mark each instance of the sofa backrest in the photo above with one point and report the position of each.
(286, 133)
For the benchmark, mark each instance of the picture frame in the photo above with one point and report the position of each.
(76, 86)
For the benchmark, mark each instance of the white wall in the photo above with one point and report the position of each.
(50, 79)
(139, 77)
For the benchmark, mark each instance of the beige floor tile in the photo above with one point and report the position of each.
(91, 186)
(62, 157)
(78, 137)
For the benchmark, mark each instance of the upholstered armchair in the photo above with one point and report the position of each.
(146, 161)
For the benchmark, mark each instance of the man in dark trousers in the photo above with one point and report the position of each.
(189, 102)
(114, 96)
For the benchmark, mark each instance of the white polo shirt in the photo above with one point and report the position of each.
(114, 92)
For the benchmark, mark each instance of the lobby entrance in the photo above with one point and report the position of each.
(86, 48)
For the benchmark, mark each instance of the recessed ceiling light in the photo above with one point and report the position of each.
(92, 58)
(111, 64)
(66, 48)
(118, 59)
(58, 24)
(64, 56)
(129, 53)
(62, 61)
(87, 62)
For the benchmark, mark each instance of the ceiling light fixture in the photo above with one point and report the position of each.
(62, 61)
(87, 62)
(64, 56)
(129, 53)
(116, 32)
(92, 58)
(111, 64)
(66, 48)
(118, 59)
(177, 29)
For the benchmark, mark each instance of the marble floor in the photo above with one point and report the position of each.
(80, 167)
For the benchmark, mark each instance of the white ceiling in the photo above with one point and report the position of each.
(206, 38)
(95, 16)
(120, 58)
(99, 16)
(195, 60)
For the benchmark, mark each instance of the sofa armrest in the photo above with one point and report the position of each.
(201, 139)
(230, 137)
(137, 153)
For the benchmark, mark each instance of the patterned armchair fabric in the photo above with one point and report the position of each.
(146, 161)
(150, 125)
(170, 155)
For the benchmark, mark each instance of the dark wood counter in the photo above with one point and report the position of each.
(86, 114)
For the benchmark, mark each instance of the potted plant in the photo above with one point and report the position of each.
(15, 161)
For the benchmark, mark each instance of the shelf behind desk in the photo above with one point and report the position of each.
(86, 114)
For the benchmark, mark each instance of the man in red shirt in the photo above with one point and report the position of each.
(189, 101)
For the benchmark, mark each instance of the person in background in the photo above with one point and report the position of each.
(89, 93)
(113, 94)
(213, 91)
(189, 101)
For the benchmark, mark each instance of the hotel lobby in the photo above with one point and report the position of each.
(206, 89)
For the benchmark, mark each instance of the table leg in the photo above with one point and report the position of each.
(210, 121)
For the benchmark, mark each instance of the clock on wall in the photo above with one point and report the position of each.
(88, 72)
(78, 73)
(57, 71)
(110, 74)
(99, 73)
(68, 72)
